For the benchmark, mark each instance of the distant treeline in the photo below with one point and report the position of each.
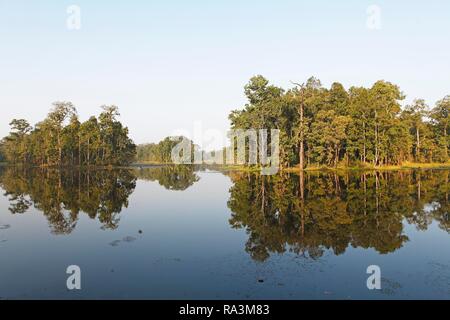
(156, 152)
(161, 152)
(331, 127)
(62, 140)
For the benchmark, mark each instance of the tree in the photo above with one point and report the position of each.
(327, 137)
(301, 125)
(90, 140)
(385, 98)
(71, 140)
(56, 118)
(14, 145)
(440, 116)
(414, 115)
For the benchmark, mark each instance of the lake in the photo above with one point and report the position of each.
(181, 232)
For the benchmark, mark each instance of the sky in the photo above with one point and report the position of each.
(170, 65)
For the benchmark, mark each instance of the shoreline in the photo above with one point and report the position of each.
(406, 166)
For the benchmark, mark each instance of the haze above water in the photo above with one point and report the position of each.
(195, 233)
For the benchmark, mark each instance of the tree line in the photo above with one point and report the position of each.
(62, 140)
(334, 127)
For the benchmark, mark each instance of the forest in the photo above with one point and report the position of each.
(338, 127)
(62, 140)
(319, 127)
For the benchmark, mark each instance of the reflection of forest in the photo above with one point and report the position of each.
(306, 213)
(62, 194)
(309, 213)
(171, 177)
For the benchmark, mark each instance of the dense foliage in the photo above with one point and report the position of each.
(61, 140)
(331, 127)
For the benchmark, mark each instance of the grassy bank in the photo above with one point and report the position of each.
(404, 166)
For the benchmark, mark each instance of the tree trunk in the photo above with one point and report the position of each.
(302, 203)
(364, 147)
(60, 150)
(446, 143)
(376, 140)
(79, 151)
(336, 155)
(302, 143)
(418, 145)
(88, 153)
(419, 187)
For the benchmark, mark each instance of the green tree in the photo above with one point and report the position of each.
(56, 119)
(15, 145)
(414, 115)
(440, 116)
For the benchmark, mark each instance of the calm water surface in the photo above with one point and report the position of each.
(181, 233)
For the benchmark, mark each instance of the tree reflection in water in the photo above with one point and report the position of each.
(62, 194)
(102, 194)
(171, 177)
(309, 213)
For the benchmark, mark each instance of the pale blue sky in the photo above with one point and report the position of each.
(167, 64)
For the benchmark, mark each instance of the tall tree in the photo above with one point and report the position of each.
(441, 119)
(415, 114)
(58, 115)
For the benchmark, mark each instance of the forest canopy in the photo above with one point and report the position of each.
(62, 140)
(338, 127)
